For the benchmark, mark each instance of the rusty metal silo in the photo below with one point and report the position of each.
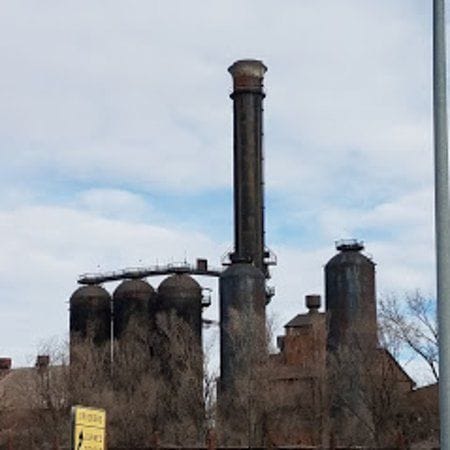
(181, 296)
(351, 341)
(179, 326)
(134, 303)
(350, 297)
(90, 315)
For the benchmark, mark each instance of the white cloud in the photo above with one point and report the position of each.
(399, 235)
(140, 95)
(114, 203)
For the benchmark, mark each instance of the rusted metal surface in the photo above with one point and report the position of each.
(90, 312)
(179, 322)
(313, 301)
(247, 74)
(350, 298)
(242, 347)
(133, 300)
(242, 299)
(247, 98)
(182, 295)
(42, 361)
(352, 337)
(5, 363)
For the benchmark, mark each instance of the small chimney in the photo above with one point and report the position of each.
(202, 264)
(5, 364)
(312, 302)
(42, 361)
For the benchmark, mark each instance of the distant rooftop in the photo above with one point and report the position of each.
(301, 320)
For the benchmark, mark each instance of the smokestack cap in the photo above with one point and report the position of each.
(248, 74)
(312, 302)
(349, 245)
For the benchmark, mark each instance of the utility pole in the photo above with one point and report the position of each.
(442, 216)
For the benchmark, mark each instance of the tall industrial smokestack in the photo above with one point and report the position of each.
(242, 285)
(248, 95)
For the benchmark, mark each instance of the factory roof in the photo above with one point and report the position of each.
(19, 388)
(302, 320)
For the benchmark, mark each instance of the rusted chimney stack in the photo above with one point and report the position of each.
(248, 95)
(313, 302)
(5, 364)
(42, 361)
(242, 285)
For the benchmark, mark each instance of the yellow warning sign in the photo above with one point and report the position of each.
(88, 428)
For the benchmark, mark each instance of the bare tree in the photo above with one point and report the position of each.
(410, 323)
(210, 376)
(35, 403)
(368, 396)
(372, 400)
(241, 403)
(145, 394)
(155, 386)
(267, 403)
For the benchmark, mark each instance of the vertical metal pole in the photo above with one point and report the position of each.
(442, 216)
(111, 336)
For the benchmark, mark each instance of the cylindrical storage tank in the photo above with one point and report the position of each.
(350, 298)
(179, 326)
(134, 303)
(242, 350)
(242, 320)
(351, 341)
(181, 295)
(90, 314)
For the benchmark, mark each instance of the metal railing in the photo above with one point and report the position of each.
(144, 272)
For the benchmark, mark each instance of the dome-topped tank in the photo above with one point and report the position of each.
(90, 314)
(180, 345)
(181, 294)
(350, 297)
(133, 300)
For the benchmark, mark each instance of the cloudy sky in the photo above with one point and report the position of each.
(116, 143)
